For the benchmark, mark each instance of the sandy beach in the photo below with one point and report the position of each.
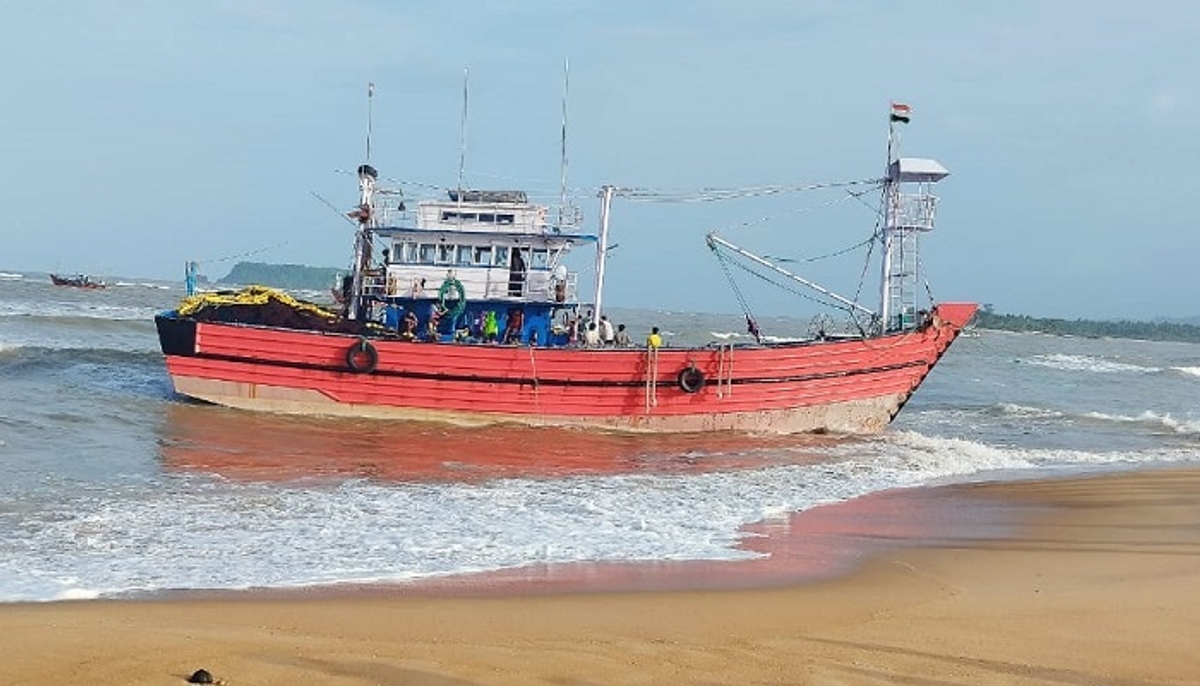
(1098, 584)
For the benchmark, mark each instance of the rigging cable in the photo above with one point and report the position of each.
(718, 194)
(751, 324)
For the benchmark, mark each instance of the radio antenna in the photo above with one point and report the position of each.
(462, 155)
(370, 98)
(562, 200)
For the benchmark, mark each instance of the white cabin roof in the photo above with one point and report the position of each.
(916, 170)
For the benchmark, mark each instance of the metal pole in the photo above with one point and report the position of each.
(606, 196)
(714, 238)
(562, 199)
(370, 99)
(462, 153)
(362, 244)
(885, 262)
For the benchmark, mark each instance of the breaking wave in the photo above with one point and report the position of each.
(1086, 363)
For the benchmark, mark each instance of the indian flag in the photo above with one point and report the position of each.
(901, 112)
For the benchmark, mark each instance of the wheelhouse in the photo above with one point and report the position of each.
(451, 262)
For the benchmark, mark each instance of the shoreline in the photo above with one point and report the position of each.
(820, 544)
(1088, 580)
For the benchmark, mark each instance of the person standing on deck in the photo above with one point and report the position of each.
(606, 331)
(516, 274)
(491, 327)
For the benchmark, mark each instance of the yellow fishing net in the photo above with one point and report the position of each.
(250, 295)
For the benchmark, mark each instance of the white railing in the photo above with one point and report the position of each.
(914, 212)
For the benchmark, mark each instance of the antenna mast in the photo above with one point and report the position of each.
(909, 206)
(365, 213)
(370, 99)
(462, 155)
(562, 199)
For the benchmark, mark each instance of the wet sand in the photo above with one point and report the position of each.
(1066, 582)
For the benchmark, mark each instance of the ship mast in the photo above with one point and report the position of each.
(364, 213)
(908, 211)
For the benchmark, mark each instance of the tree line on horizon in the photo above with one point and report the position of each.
(986, 318)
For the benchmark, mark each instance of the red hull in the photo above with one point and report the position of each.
(843, 386)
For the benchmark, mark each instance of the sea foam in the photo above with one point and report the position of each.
(1085, 363)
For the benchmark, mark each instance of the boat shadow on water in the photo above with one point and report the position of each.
(251, 446)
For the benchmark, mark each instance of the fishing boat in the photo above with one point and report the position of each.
(77, 281)
(463, 309)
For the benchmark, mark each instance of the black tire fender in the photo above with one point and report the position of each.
(690, 379)
(362, 358)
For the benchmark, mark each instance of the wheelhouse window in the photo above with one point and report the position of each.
(482, 255)
(500, 257)
(445, 254)
(428, 252)
(408, 253)
(464, 256)
(540, 259)
(455, 217)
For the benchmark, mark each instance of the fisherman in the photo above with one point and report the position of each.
(491, 328)
(575, 329)
(431, 327)
(408, 325)
(513, 327)
(622, 337)
(654, 340)
(606, 331)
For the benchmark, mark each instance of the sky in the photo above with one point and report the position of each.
(138, 135)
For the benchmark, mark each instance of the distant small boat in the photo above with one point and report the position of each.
(77, 281)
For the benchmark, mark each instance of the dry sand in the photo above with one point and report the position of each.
(1101, 587)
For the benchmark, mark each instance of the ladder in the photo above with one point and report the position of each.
(725, 370)
(651, 378)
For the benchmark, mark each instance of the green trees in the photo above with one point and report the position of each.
(286, 276)
(1145, 330)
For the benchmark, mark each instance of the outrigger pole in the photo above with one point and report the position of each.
(714, 240)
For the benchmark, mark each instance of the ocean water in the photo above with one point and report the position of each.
(110, 485)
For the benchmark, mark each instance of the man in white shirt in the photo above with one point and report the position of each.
(592, 338)
(606, 331)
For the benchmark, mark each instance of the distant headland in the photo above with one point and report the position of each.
(287, 276)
